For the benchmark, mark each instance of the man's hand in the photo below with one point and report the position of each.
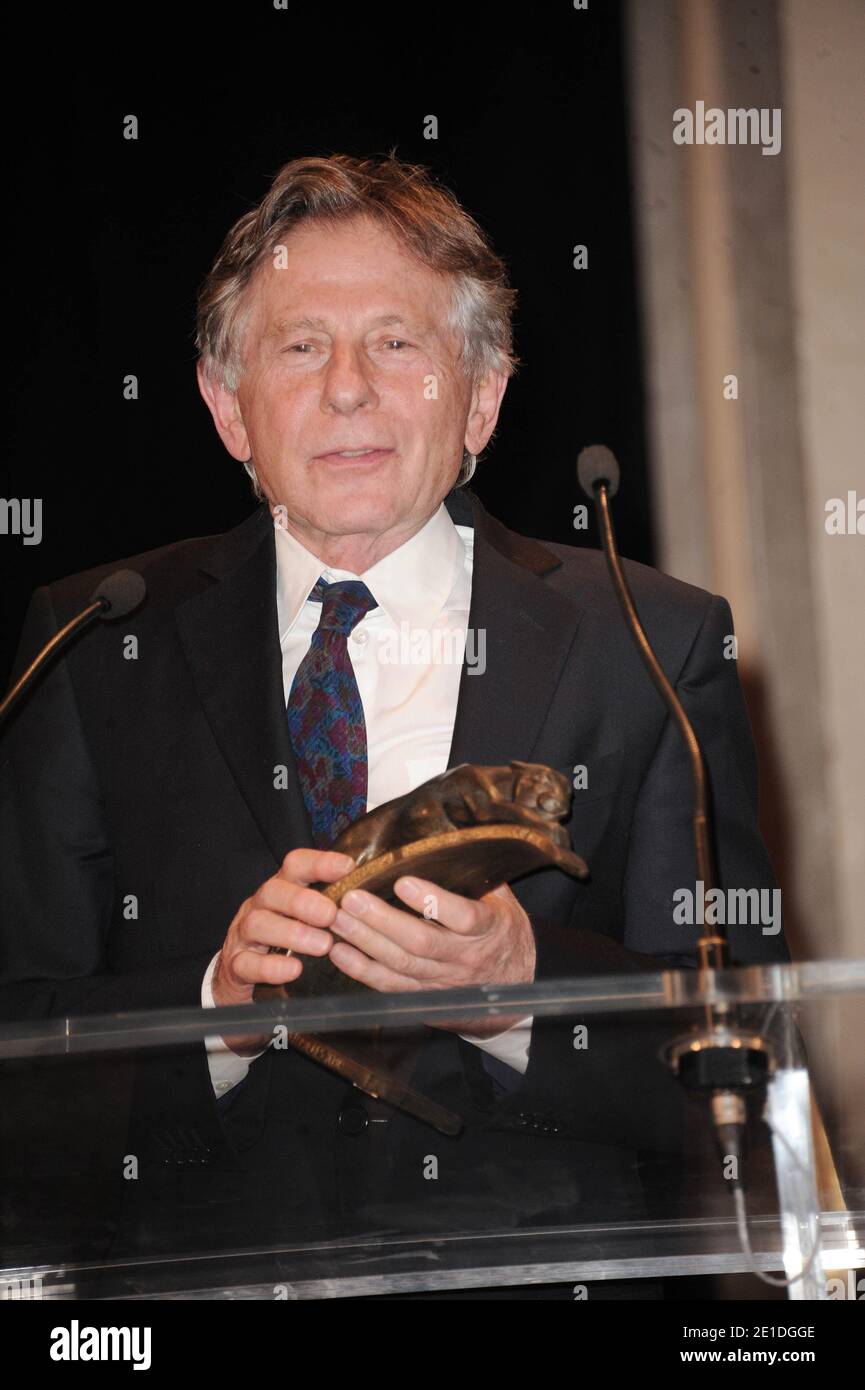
(285, 912)
(458, 942)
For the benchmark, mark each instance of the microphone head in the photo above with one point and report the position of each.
(596, 465)
(123, 591)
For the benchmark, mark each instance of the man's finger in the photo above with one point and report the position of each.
(263, 928)
(371, 972)
(315, 866)
(405, 947)
(466, 916)
(294, 900)
(419, 936)
(253, 968)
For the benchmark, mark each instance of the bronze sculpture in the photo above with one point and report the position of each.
(469, 830)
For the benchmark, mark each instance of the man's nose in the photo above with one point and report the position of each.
(348, 379)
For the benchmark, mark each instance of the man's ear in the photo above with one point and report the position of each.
(225, 409)
(484, 410)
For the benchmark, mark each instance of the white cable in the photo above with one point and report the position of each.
(742, 1223)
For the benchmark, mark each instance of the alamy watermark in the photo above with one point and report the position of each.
(21, 516)
(845, 516)
(433, 646)
(736, 126)
(77, 1343)
(719, 907)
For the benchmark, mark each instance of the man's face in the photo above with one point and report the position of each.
(347, 348)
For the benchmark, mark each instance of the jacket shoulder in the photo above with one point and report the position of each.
(584, 571)
(171, 572)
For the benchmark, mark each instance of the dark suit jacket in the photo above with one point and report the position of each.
(154, 777)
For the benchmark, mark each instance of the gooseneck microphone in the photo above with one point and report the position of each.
(598, 473)
(120, 593)
(722, 1060)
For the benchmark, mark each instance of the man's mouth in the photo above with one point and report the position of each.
(372, 451)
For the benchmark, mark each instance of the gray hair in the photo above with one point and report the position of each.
(422, 215)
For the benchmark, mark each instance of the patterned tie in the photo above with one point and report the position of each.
(325, 714)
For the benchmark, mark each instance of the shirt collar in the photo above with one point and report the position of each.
(412, 583)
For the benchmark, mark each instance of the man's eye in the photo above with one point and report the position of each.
(305, 348)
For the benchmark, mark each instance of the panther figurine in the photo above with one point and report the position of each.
(466, 795)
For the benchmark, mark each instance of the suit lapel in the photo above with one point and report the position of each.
(231, 638)
(229, 633)
(528, 629)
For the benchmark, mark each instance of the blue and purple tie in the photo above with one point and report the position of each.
(325, 714)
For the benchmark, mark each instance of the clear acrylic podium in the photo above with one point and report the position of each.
(612, 1175)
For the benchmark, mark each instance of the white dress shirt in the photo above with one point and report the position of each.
(407, 655)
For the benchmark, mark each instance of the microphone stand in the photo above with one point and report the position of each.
(60, 639)
(712, 948)
(120, 593)
(722, 1061)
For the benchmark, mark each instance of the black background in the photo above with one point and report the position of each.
(109, 239)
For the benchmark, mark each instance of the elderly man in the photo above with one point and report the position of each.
(363, 380)
(355, 346)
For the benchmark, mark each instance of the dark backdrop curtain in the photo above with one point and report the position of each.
(108, 239)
